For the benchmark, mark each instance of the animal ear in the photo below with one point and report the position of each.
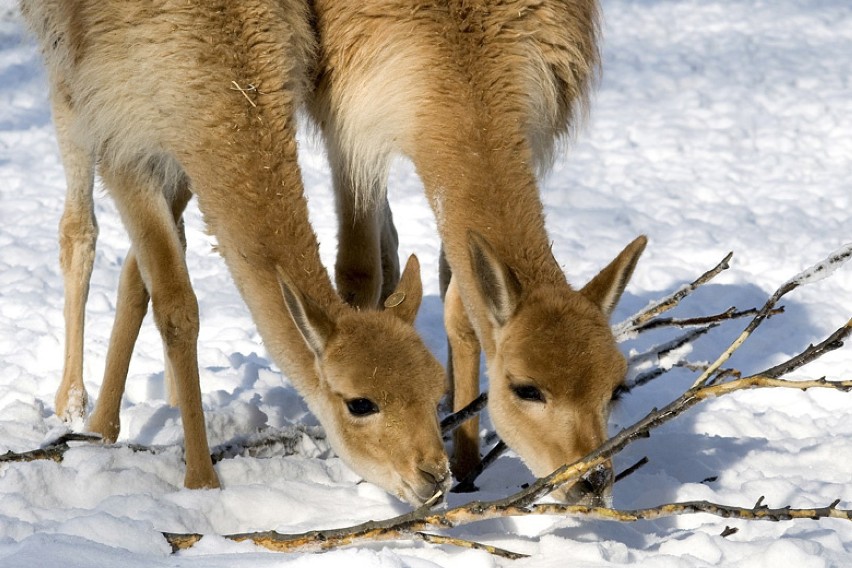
(405, 300)
(311, 320)
(500, 288)
(606, 288)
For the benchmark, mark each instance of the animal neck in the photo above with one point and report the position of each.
(483, 180)
(254, 204)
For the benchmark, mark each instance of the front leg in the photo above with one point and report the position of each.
(150, 223)
(463, 372)
(367, 267)
(131, 307)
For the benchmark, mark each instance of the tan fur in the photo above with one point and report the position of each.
(476, 93)
(168, 96)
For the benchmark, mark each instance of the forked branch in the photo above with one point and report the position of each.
(631, 325)
(413, 524)
(522, 503)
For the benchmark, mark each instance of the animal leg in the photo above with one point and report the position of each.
(131, 307)
(149, 220)
(463, 372)
(78, 233)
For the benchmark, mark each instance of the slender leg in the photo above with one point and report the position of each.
(389, 242)
(78, 233)
(358, 268)
(463, 371)
(149, 220)
(179, 203)
(130, 310)
(131, 307)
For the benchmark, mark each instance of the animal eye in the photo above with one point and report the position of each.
(619, 392)
(528, 392)
(361, 407)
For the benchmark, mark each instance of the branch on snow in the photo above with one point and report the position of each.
(284, 442)
(409, 526)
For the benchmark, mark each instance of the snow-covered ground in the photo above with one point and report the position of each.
(719, 125)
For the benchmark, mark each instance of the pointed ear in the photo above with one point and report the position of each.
(606, 288)
(310, 319)
(405, 300)
(498, 285)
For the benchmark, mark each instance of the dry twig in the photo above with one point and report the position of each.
(812, 274)
(55, 450)
(631, 325)
(522, 502)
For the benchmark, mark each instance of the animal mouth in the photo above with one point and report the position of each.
(427, 495)
(594, 489)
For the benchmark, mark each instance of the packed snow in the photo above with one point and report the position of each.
(719, 125)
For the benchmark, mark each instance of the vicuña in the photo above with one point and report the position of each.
(172, 98)
(476, 94)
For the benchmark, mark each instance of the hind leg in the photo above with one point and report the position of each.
(78, 233)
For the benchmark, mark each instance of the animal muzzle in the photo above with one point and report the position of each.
(594, 489)
(433, 483)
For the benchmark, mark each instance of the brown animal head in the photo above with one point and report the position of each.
(380, 412)
(557, 365)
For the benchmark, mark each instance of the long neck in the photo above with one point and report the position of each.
(251, 194)
(481, 178)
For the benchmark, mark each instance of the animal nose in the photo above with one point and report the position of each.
(599, 479)
(593, 489)
(437, 476)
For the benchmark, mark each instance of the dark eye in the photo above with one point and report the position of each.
(528, 392)
(619, 392)
(361, 407)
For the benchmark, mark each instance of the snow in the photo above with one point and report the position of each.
(718, 125)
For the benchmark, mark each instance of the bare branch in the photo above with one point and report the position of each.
(817, 272)
(284, 442)
(658, 352)
(454, 420)
(832, 342)
(412, 525)
(759, 512)
(271, 442)
(729, 314)
(629, 326)
(55, 450)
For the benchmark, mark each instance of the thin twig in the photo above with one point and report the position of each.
(629, 326)
(467, 485)
(729, 314)
(758, 513)
(656, 353)
(243, 91)
(55, 450)
(818, 271)
(631, 470)
(286, 442)
(454, 420)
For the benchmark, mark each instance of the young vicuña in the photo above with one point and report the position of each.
(165, 97)
(476, 93)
